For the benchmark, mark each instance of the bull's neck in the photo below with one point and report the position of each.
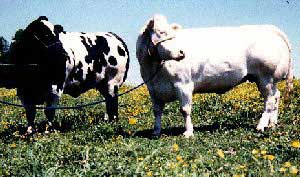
(149, 67)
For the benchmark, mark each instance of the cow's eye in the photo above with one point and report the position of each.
(162, 32)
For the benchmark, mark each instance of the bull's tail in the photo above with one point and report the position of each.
(289, 77)
(289, 83)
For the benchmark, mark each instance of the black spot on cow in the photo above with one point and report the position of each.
(42, 18)
(59, 29)
(78, 75)
(69, 60)
(90, 77)
(121, 51)
(126, 49)
(108, 35)
(90, 41)
(110, 73)
(97, 51)
(112, 60)
(83, 33)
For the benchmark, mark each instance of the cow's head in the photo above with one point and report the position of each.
(161, 44)
(43, 31)
(37, 40)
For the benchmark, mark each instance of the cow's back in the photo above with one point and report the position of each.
(94, 59)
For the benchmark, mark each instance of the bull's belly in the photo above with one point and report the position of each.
(219, 83)
(163, 91)
(75, 89)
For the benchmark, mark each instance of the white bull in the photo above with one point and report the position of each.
(203, 60)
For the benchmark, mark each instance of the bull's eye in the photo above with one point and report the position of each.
(162, 33)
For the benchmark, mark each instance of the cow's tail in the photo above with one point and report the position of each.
(289, 82)
(289, 77)
(126, 49)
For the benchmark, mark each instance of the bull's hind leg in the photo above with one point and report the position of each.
(30, 115)
(271, 103)
(51, 103)
(110, 93)
(185, 95)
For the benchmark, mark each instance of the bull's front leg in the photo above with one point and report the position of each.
(185, 95)
(30, 115)
(158, 108)
(51, 103)
(112, 107)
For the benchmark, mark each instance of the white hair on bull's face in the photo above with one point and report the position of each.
(49, 25)
(161, 29)
(156, 32)
(216, 60)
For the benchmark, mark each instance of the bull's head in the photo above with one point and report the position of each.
(36, 41)
(162, 44)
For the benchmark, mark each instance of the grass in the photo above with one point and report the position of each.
(225, 142)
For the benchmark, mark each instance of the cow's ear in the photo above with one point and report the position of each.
(58, 29)
(42, 18)
(150, 24)
(176, 26)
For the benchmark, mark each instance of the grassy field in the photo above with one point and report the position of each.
(226, 142)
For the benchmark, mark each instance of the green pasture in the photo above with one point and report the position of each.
(225, 143)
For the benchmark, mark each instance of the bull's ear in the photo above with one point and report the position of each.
(42, 18)
(58, 29)
(176, 26)
(150, 24)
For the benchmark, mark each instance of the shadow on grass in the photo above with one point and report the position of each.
(177, 131)
(109, 130)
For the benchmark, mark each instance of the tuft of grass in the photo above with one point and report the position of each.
(225, 142)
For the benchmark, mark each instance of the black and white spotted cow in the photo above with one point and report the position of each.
(68, 62)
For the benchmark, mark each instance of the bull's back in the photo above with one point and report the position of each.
(96, 58)
(221, 58)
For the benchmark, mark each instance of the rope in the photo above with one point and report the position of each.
(87, 104)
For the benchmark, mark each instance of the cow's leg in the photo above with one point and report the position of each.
(110, 93)
(158, 108)
(274, 114)
(185, 94)
(30, 115)
(51, 102)
(271, 103)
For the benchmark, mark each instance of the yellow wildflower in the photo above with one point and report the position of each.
(293, 170)
(269, 157)
(263, 152)
(185, 165)
(242, 175)
(282, 170)
(149, 173)
(220, 153)
(171, 165)
(132, 121)
(175, 147)
(295, 144)
(255, 151)
(140, 158)
(287, 164)
(179, 158)
(241, 167)
(13, 145)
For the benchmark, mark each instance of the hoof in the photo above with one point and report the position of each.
(155, 135)
(272, 125)
(49, 128)
(30, 130)
(188, 134)
(260, 129)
